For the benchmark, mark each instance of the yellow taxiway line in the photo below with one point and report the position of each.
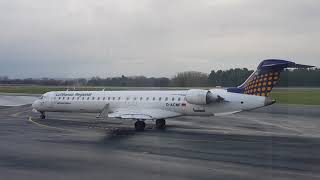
(18, 113)
(46, 126)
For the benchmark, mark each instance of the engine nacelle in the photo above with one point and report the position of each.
(201, 97)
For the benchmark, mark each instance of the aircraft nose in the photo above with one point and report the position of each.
(36, 104)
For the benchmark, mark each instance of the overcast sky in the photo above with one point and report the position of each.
(84, 38)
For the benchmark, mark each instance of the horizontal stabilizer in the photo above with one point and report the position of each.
(280, 64)
(303, 66)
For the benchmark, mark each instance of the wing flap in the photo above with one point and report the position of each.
(146, 114)
(130, 116)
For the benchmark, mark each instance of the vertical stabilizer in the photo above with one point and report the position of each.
(266, 77)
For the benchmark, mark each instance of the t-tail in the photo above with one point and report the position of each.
(266, 77)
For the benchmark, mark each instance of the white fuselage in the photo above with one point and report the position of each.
(173, 101)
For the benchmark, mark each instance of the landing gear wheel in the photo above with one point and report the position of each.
(140, 125)
(42, 116)
(160, 123)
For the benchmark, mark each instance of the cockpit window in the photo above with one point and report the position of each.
(43, 97)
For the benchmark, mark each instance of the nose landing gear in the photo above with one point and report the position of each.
(43, 115)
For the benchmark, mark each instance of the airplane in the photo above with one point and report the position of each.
(158, 106)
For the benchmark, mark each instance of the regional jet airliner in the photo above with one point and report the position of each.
(141, 106)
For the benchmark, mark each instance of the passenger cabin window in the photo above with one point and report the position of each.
(78, 98)
(113, 98)
(179, 99)
(87, 98)
(109, 98)
(172, 99)
(166, 99)
(153, 98)
(59, 98)
(119, 98)
(104, 98)
(147, 98)
(92, 98)
(63, 98)
(141, 98)
(160, 98)
(82, 98)
(135, 98)
(98, 98)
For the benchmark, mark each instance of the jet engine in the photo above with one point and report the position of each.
(202, 97)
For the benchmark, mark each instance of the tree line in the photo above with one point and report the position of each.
(224, 78)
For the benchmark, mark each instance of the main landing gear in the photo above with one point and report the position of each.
(43, 115)
(160, 123)
(140, 125)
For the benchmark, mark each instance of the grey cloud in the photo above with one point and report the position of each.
(69, 38)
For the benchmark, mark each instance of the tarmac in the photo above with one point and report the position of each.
(276, 142)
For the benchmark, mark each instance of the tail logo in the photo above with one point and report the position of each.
(262, 85)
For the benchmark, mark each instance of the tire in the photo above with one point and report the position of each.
(160, 123)
(140, 125)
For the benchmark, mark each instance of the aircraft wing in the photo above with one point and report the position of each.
(145, 114)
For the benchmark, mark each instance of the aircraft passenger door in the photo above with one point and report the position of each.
(50, 101)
